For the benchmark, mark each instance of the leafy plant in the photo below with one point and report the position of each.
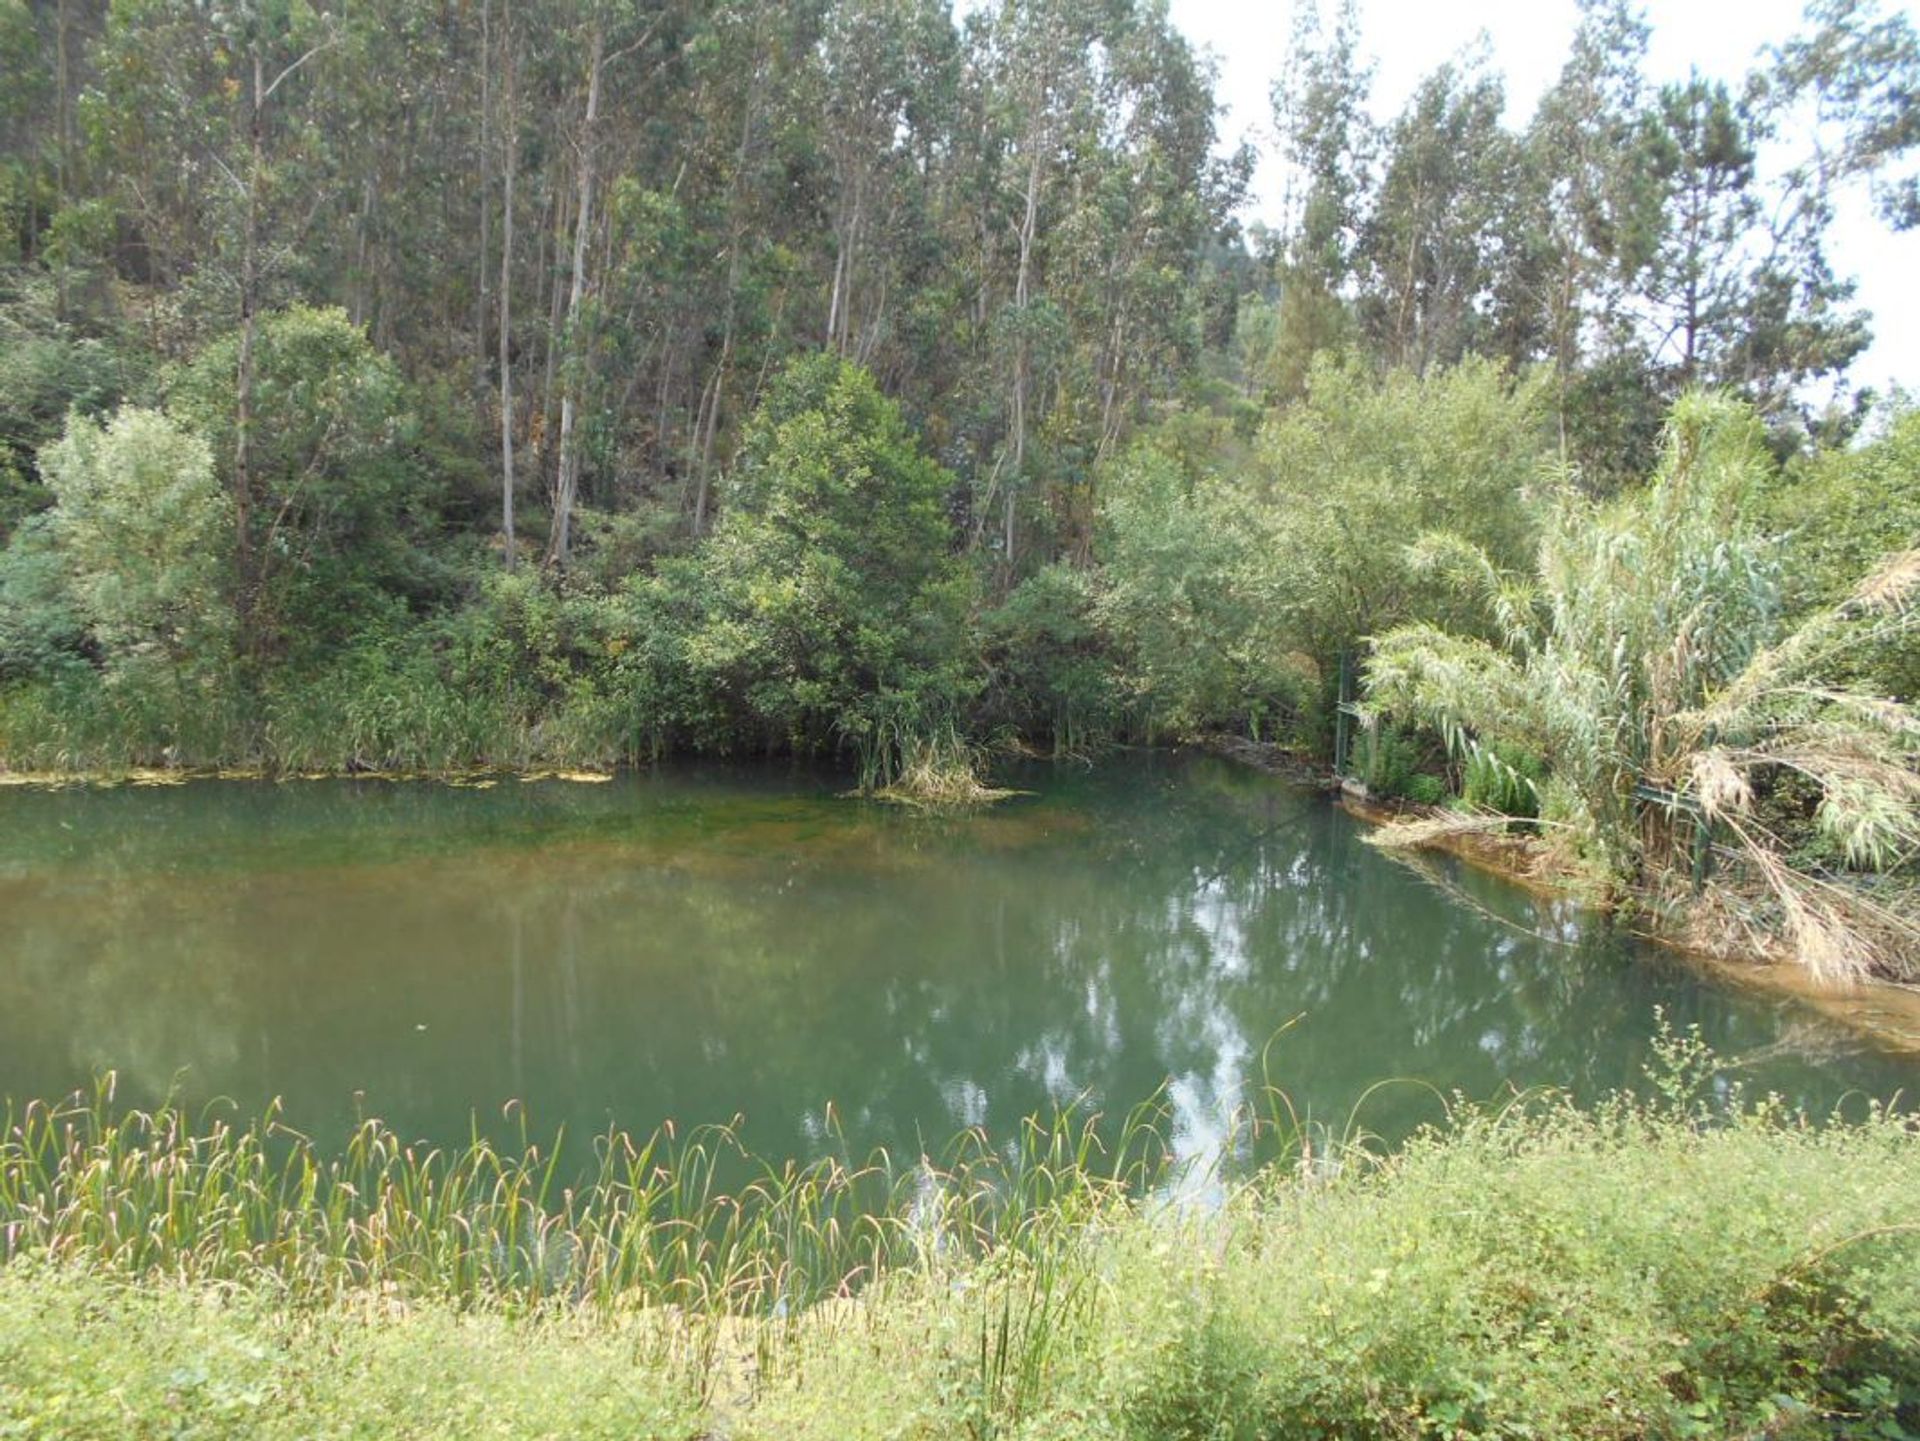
(1643, 663)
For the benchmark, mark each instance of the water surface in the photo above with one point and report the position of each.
(697, 943)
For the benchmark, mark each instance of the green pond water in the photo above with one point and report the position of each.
(697, 943)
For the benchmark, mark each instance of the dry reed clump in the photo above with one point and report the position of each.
(942, 774)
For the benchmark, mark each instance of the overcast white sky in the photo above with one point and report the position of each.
(1408, 38)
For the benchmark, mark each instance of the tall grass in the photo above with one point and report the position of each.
(691, 1221)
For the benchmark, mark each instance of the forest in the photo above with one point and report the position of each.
(401, 387)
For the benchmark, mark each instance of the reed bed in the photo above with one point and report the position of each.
(688, 1221)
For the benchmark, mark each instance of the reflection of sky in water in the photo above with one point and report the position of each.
(702, 943)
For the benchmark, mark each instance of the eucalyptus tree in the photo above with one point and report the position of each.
(1852, 77)
(209, 111)
(743, 71)
(631, 33)
(1598, 214)
(25, 105)
(1095, 126)
(1329, 139)
(885, 70)
(1441, 224)
(1035, 56)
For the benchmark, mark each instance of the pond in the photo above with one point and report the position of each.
(699, 942)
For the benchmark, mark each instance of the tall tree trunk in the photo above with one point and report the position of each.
(709, 423)
(243, 382)
(569, 382)
(1022, 361)
(512, 120)
(486, 197)
(64, 151)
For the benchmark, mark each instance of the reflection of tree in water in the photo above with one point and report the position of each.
(110, 976)
(763, 952)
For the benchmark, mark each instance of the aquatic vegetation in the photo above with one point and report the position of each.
(686, 1220)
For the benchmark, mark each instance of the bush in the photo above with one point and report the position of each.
(1051, 671)
(187, 1363)
(1536, 1273)
(1426, 789)
(46, 371)
(41, 630)
(828, 602)
(145, 532)
(343, 506)
(1388, 761)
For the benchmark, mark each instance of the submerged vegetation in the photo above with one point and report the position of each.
(1531, 1269)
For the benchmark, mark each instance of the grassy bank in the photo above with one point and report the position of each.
(1639, 1270)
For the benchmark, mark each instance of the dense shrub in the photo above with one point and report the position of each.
(831, 609)
(1051, 668)
(46, 370)
(1540, 1274)
(343, 509)
(145, 532)
(209, 1366)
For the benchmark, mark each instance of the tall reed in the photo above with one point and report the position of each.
(690, 1221)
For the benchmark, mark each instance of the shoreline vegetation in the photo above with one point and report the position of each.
(1884, 1010)
(1527, 1268)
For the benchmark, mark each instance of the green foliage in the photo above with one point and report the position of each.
(1018, 221)
(1426, 789)
(1345, 479)
(120, 632)
(1845, 510)
(1180, 599)
(1051, 669)
(40, 627)
(146, 532)
(1645, 667)
(46, 370)
(831, 606)
(191, 1363)
(1586, 668)
(342, 507)
(1841, 514)
(1502, 778)
(1388, 761)
(147, 714)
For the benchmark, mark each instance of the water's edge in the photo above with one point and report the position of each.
(1885, 1012)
